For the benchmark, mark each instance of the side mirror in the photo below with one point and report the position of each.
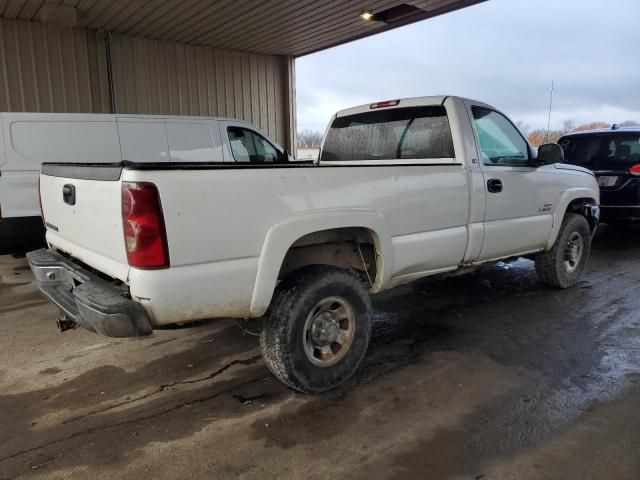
(548, 154)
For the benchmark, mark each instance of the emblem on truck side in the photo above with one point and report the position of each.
(546, 208)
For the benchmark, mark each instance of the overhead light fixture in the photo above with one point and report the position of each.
(399, 15)
(367, 16)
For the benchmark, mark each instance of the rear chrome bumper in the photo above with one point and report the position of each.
(85, 298)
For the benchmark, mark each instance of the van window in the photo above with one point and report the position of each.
(143, 141)
(249, 147)
(396, 134)
(99, 142)
(190, 142)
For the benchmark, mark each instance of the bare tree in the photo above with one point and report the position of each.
(308, 138)
(567, 126)
(630, 123)
(539, 136)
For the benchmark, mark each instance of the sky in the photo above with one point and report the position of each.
(502, 52)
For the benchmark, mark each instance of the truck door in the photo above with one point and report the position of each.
(515, 222)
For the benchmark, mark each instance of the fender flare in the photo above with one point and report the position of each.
(281, 236)
(565, 199)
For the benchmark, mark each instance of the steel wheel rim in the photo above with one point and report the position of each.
(329, 331)
(573, 251)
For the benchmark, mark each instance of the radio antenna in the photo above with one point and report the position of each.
(549, 116)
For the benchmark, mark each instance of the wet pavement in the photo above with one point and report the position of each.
(490, 375)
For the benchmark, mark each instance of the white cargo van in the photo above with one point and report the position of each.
(29, 139)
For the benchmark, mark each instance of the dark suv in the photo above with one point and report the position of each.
(614, 156)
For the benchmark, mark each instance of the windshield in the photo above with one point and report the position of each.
(602, 151)
(400, 133)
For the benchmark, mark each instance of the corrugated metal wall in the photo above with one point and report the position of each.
(151, 76)
(49, 69)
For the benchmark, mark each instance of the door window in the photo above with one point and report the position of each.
(190, 142)
(500, 141)
(143, 141)
(249, 147)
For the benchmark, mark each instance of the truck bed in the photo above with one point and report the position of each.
(234, 215)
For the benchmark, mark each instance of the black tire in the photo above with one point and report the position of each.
(284, 336)
(551, 266)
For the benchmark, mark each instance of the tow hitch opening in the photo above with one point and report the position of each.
(64, 323)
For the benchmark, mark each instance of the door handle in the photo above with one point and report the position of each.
(494, 185)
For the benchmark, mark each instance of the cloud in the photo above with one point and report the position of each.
(503, 52)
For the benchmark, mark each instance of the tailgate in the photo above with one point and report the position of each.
(82, 214)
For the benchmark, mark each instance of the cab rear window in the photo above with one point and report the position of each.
(603, 151)
(394, 134)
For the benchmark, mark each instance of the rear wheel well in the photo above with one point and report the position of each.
(354, 248)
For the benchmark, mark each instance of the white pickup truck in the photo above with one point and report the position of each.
(403, 189)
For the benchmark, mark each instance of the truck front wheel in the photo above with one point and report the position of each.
(318, 330)
(563, 265)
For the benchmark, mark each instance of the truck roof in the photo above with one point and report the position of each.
(406, 102)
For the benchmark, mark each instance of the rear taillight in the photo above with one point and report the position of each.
(635, 170)
(145, 236)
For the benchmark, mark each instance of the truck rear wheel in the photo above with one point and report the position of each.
(562, 266)
(318, 330)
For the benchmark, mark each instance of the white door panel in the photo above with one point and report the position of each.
(519, 195)
(19, 194)
(515, 235)
(422, 252)
(516, 220)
